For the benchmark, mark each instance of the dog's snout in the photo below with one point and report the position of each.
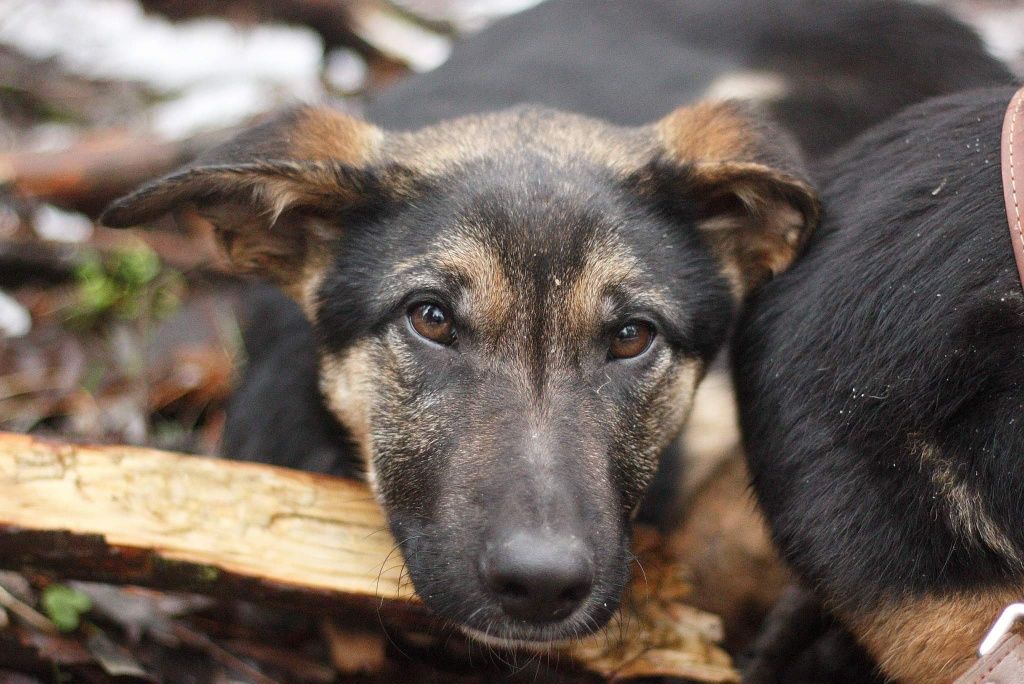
(538, 578)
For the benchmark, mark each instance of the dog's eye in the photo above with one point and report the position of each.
(433, 322)
(631, 340)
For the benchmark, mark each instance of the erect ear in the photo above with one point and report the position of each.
(743, 183)
(273, 193)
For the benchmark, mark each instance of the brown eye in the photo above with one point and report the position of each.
(432, 322)
(631, 340)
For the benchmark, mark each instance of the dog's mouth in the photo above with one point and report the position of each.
(467, 607)
(481, 619)
(511, 643)
(507, 634)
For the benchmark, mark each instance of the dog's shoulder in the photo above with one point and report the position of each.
(880, 371)
(881, 383)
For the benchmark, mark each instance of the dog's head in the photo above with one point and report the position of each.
(513, 311)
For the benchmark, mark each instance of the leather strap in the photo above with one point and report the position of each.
(1013, 176)
(1004, 665)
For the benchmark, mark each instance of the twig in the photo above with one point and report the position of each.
(26, 612)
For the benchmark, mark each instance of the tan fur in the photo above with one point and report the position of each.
(668, 389)
(607, 265)
(325, 134)
(755, 216)
(491, 296)
(753, 256)
(304, 289)
(677, 398)
(273, 257)
(604, 268)
(932, 638)
(554, 136)
(965, 506)
(708, 132)
(348, 382)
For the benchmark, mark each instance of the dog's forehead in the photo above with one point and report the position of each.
(517, 132)
(528, 235)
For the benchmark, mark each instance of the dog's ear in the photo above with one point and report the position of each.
(273, 194)
(741, 181)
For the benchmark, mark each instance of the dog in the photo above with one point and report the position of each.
(881, 384)
(503, 310)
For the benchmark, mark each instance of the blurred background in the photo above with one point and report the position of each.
(134, 336)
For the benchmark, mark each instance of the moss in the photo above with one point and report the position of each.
(128, 284)
(194, 574)
(65, 606)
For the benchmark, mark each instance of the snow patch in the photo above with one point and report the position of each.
(15, 321)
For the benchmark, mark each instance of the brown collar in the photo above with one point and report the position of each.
(1013, 175)
(1004, 665)
(1000, 654)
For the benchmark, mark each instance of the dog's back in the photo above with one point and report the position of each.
(882, 390)
(825, 69)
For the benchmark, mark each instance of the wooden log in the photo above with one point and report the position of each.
(319, 544)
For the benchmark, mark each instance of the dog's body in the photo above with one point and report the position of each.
(881, 383)
(825, 70)
(511, 311)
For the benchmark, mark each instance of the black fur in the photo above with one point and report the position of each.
(844, 64)
(890, 359)
(281, 361)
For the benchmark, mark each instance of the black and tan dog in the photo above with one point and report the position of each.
(882, 391)
(513, 311)
(509, 311)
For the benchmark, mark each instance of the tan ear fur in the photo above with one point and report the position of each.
(754, 203)
(268, 192)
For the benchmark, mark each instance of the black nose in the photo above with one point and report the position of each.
(538, 578)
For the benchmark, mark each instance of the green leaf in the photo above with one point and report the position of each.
(65, 606)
